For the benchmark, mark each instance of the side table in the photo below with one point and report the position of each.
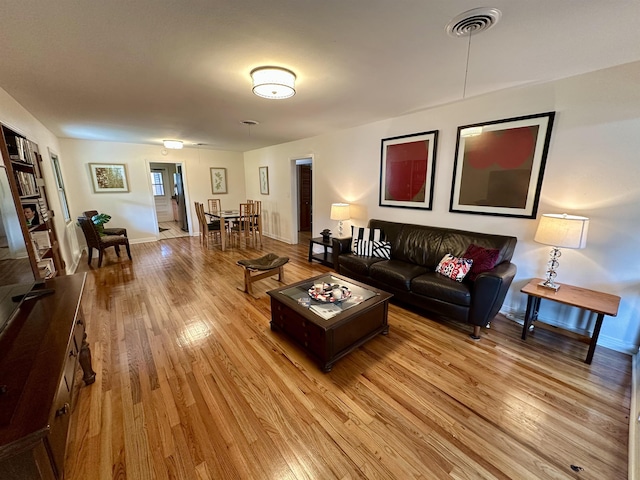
(324, 257)
(597, 302)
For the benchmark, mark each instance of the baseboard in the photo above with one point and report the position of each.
(634, 420)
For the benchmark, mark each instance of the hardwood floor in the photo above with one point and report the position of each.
(193, 384)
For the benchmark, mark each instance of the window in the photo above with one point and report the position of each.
(60, 186)
(157, 183)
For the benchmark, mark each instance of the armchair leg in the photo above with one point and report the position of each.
(100, 252)
(89, 255)
(128, 250)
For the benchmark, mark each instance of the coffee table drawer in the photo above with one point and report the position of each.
(310, 336)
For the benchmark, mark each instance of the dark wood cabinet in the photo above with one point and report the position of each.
(40, 351)
(23, 162)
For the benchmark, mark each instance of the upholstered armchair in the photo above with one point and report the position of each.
(101, 243)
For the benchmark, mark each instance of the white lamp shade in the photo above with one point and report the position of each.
(562, 230)
(340, 211)
(273, 82)
(174, 144)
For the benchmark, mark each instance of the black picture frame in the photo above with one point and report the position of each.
(500, 170)
(407, 170)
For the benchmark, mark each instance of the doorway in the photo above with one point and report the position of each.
(304, 178)
(169, 200)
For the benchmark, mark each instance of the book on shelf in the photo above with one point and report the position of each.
(46, 267)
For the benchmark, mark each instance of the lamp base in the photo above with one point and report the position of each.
(550, 285)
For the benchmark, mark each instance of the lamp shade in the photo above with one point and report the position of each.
(562, 230)
(340, 211)
(273, 82)
(174, 144)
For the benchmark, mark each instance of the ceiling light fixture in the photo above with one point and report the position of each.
(466, 24)
(173, 144)
(273, 82)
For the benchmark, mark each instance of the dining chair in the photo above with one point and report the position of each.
(201, 227)
(242, 230)
(209, 230)
(214, 205)
(107, 230)
(256, 221)
(101, 242)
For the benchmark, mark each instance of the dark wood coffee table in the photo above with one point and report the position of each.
(358, 319)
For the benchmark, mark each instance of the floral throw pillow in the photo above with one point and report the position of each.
(453, 267)
(484, 259)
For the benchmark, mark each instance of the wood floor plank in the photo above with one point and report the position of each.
(193, 384)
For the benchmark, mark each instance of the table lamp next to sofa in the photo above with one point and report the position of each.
(340, 212)
(560, 230)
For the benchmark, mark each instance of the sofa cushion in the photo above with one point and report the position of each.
(365, 233)
(395, 273)
(373, 249)
(434, 285)
(484, 259)
(356, 264)
(453, 267)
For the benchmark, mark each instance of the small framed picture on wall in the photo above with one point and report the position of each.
(264, 180)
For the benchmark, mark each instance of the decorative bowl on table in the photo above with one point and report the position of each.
(326, 294)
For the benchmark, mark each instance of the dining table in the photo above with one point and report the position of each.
(224, 216)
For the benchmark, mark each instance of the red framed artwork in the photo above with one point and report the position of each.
(407, 170)
(499, 166)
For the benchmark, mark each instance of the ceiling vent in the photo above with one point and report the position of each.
(473, 22)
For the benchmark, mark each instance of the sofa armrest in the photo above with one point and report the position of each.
(338, 247)
(489, 292)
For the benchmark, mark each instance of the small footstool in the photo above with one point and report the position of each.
(268, 265)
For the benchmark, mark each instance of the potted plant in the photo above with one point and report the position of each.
(99, 220)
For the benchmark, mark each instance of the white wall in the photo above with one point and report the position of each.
(593, 169)
(135, 210)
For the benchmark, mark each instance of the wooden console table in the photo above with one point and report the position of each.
(597, 302)
(39, 354)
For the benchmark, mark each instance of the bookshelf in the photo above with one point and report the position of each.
(23, 162)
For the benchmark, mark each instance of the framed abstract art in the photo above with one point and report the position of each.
(407, 170)
(109, 177)
(499, 166)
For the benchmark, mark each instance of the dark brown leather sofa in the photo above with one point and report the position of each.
(410, 274)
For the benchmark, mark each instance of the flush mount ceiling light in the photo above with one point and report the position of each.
(273, 82)
(173, 144)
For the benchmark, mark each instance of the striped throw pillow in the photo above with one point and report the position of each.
(363, 233)
(372, 248)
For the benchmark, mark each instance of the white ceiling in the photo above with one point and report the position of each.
(144, 70)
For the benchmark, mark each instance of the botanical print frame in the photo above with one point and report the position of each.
(407, 170)
(499, 171)
(109, 177)
(264, 180)
(218, 180)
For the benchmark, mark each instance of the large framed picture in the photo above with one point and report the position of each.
(407, 170)
(109, 177)
(218, 180)
(263, 173)
(499, 166)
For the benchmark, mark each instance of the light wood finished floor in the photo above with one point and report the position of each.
(192, 384)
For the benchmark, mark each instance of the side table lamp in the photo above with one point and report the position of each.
(560, 230)
(340, 212)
